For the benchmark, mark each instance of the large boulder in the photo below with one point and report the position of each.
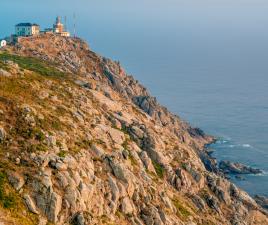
(54, 207)
(127, 206)
(16, 180)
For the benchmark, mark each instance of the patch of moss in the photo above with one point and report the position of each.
(6, 200)
(182, 211)
(84, 143)
(37, 148)
(132, 160)
(124, 130)
(38, 134)
(159, 169)
(62, 154)
(3, 66)
(125, 144)
(119, 214)
(56, 124)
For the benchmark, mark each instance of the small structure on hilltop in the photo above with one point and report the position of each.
(27, 29)
(23, 30)
(58, 28)
(3, 43)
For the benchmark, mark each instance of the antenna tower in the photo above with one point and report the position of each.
(74, 25)
(65, 23)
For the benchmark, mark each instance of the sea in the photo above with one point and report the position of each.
(207, 61)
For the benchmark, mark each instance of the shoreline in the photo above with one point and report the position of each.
(233, 177)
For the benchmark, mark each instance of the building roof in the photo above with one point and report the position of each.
(26, 25)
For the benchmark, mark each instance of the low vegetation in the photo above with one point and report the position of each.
(7, 200)
(13, 205)
(182, 211)
(160, 171)
(32, 64)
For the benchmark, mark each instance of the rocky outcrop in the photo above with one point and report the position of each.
(262, 201)
(30, 204)
(237, 168)
(87, 144)
(16, 180)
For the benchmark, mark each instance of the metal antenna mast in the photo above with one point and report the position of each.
(74, 25)
(65, 21)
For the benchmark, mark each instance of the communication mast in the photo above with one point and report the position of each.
(65, 23)
(74, 25)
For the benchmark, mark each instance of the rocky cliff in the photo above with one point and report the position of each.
(82, 142)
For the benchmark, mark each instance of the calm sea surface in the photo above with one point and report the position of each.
(205, 60)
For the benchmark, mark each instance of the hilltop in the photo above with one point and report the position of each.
(82, 142)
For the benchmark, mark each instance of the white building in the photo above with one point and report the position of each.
(3, 43)
(27, 29)
(58, 28)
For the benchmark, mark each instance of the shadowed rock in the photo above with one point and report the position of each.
(237, 168)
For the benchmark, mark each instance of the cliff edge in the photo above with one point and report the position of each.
(82, 142)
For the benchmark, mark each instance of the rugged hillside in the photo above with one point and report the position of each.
(81, 142)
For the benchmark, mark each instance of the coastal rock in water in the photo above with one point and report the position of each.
(237, 168)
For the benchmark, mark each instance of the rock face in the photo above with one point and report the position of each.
(237, 168)
(82, 142)
(2, 134)
(262, 201)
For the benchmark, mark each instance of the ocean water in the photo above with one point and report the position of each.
(207, 61)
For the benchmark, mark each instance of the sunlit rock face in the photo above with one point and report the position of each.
(84, 143)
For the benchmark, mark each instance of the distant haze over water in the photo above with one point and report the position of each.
(205, 60)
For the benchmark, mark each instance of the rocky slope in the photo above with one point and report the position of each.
(82, 142)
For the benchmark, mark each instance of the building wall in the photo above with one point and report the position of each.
(27, 30)
(35, 30)
(23, 30)
(65, 34)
